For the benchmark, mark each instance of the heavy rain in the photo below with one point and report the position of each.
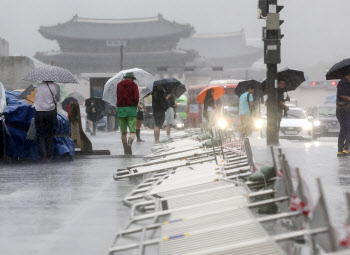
(174, 127)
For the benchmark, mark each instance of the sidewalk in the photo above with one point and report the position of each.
(66, 208)
(315, 159)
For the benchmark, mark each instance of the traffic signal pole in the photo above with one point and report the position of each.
(269, 10)
(272, 131)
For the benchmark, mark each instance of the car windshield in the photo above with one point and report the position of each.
(295, 114)
(230, 100)
(326, 111)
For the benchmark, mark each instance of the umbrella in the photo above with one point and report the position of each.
(143, 79)
(170, 84)
(51, 73)
(67, 101)
(243, 87)
(146, 91)
(218, 92)
(179, 91)
(28, 94)
(78, 97)
(292, 77)
(99, 106)
(337, 71)
(110, 109)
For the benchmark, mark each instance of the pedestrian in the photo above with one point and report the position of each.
(93, 112)
(140, 109)
(68, 108)
(208, 103)
(282, 107)
(127, 101)
(343, 114)
(246, 104)
(170, 114)
(159, 107)
(45, 104)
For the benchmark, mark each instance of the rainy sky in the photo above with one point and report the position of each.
(315, 30)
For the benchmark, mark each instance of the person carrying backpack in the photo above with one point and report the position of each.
(246, 105)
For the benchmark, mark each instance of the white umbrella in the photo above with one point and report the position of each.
(143, 79)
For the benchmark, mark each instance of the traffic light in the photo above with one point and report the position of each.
(272, 33)
(269, 10)
(263, 6)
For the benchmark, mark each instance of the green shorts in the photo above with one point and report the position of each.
(126, 122)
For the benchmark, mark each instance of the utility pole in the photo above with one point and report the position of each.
(269, 10)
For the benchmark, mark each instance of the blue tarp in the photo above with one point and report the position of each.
(18, 115)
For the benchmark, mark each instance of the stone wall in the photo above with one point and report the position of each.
(13, 70)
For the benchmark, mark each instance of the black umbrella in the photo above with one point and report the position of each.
(293, 79)
(243, 87)
(338, 70)
(67, 101)
(179, 91)
(169, 85)
(94, 108)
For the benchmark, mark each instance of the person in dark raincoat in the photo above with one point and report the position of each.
(159, 106)
(343, 114)
(94, 113)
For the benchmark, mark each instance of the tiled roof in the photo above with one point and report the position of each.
(117, 29)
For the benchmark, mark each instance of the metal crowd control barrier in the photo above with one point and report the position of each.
(206, 206)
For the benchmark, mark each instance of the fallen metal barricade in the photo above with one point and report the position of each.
(201, 205)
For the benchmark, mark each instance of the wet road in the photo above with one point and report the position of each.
(315, 159)
(75, 208)
(65, 208)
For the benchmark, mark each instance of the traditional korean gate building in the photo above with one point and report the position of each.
(95, 45)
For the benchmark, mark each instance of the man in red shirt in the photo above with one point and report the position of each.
(127, 101)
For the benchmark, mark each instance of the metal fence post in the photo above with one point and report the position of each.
(249, 153)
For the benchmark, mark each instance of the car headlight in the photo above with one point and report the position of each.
(258, 124)
(317, 123)
(222, 123)
(180, 125)
(308, 126)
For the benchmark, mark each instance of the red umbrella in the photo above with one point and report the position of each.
(218, 92)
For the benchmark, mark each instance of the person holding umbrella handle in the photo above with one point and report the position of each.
(343, 114)
(45, 104)
(281, 85)
(170, 113)
(127, 101)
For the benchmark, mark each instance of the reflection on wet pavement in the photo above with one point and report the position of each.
(75, 208)
(315, 159)
(65, 208)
